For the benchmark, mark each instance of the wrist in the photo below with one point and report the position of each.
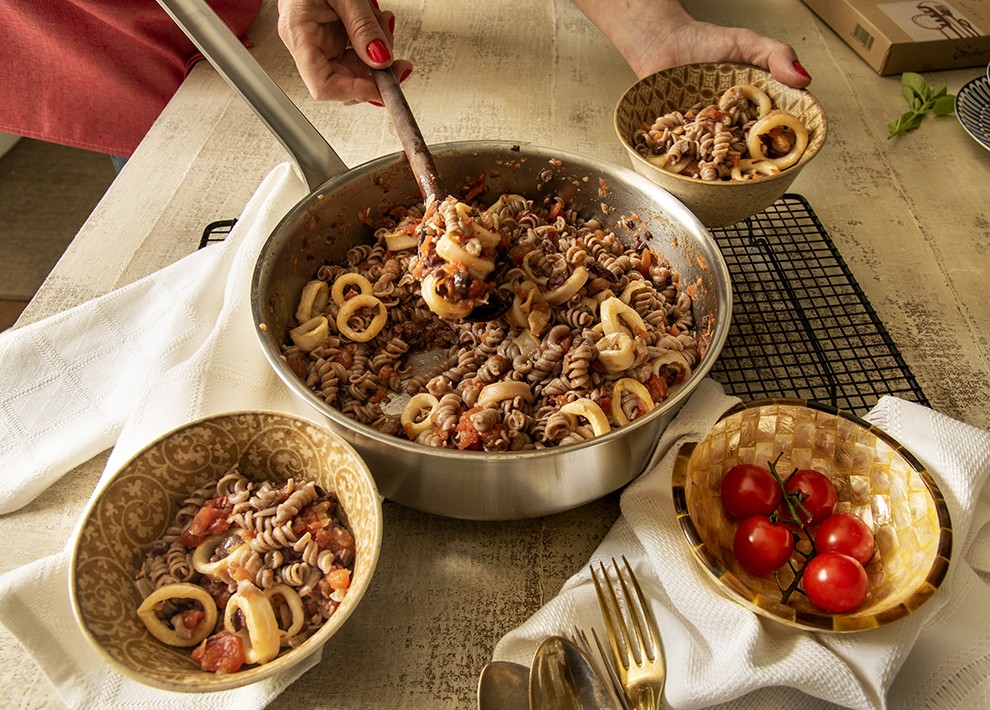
(639, 29)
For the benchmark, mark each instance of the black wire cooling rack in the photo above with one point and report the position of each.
(216, 232)
(801, 325)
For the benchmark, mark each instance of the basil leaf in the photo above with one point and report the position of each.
(945, 106)
(922, 99)
(914, 82)
(907, 122)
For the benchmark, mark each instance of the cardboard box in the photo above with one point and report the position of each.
(917, 36)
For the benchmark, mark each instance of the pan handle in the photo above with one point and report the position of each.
(314, 157)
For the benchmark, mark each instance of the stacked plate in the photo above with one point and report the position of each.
(973, 108)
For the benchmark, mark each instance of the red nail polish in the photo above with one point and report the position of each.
(391, 24)
(375, 3)
(375, 103)
(800, 69)
(405, 75)
(378, 51)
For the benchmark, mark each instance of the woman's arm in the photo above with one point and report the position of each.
(657, 34)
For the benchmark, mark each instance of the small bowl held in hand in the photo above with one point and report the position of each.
(139, 503)
(716, 203)
(874, 477)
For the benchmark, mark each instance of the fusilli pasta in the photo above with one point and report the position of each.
(586, 311)
(247, 569)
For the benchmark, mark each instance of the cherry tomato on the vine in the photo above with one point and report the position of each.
(835, 582)
(815, 493)
(762, 546)
(845, 533)
(748, 489)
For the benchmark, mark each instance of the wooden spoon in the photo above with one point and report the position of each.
(417, 152)
(424, 169)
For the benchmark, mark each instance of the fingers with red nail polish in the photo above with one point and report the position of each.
(359, 37)
(379, 52)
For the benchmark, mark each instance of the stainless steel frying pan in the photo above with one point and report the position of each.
(323, 226)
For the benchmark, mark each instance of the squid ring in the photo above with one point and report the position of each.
(291, 600)
(148, 613)
(311, 333)
(674, 360)
(574, 282)
(413, 419)
(400, 240)
(778, 119)
(592, 412)
(204, 552)
(350, 279)
(440, 305)
(454, 253)
(635, 387)
(749, 168)
(499, 391)
(527, 296)
(313, 300)
(350, 307)
(748, 91)
(667, 163)
(260, 633)
(616, 352)
(616, 315)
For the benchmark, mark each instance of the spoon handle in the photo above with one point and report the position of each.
(413, 143)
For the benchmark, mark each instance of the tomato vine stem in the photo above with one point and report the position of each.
(793, 503)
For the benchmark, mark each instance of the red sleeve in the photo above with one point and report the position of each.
(95, 74)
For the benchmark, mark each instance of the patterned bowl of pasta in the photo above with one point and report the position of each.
(227, 551)
(726, 139)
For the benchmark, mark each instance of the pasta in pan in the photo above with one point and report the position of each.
(457, 248)
(742, 137)
(245, 570)
(595, 336)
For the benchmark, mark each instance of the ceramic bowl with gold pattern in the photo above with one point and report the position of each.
(722, 202)
(140, 500)
(874, 477)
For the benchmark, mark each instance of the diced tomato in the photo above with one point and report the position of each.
(211, 519)
(468, 438)
(519, 251)
(312, 518)
(477, 288)
(345, 357)
(297, 363)
(657, 387)
(380, 394)
(192, 619)
(221, 653)
(606, 405)
(336, 539)
(339, 578)
(556, 210)
(647, 263)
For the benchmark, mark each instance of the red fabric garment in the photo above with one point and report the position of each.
(95, 74)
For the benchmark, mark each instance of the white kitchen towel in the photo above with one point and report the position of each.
(121, 371)
(719, 652)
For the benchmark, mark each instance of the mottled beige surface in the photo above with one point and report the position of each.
(908, 215)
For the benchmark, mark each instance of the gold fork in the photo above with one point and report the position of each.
(634, 636)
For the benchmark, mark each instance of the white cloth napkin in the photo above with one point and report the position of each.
(720, 653)
(120, 371)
